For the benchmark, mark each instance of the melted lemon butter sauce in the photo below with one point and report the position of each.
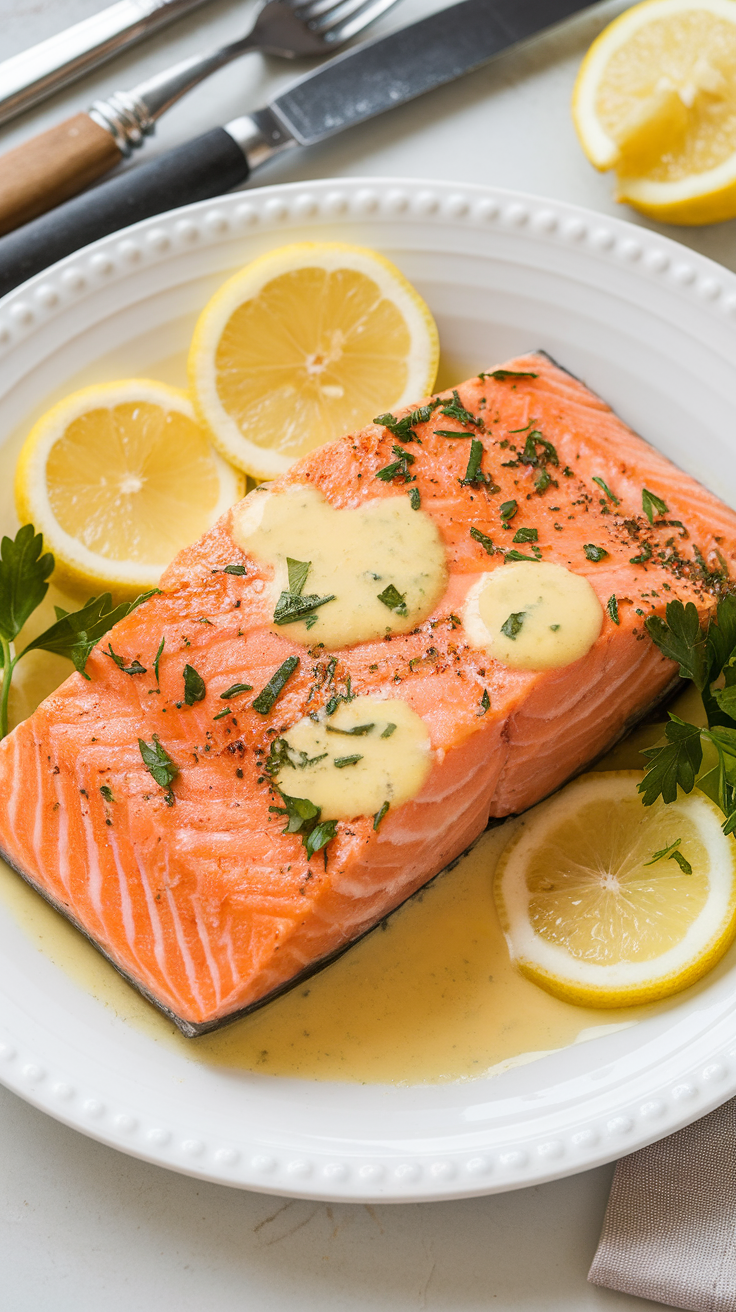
(367, 753)
(355, 556)
(533, 616)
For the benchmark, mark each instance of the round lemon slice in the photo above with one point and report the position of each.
(118, 478)
(307, 343)
(595, 907)
(655, 99)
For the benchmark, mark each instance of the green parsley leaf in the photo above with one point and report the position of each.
(388, 730)
(194, 686)
(473, 474)
(303, 818)
(519, 555)
(502, 375)
(378, 817)
(403, 429)
(602, 484)
(612, 608)
(671, 854)
(235, 689)
(298, 570)
(508, 510)
(107, 793)
(135, 667)
(357, 730)
(456, 410)
(75, 633)
(395, 600)
(23, 574)
(231, 569)
(680, 639)
(415, 499)
(159, 654)
(221, 714)
(267, 696)
(449, 432)
(513, 625)
(159, 765)
(484, 540)
(291, 607)
(644, 555)
(593, 552)
(340, 761)
(399, 468)
(319, 837)
(546, 455)
(485, 701)
(650, 503)
(525, 535)
(675, 764)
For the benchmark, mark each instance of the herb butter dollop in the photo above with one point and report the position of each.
(370, 570)
(533, 616)
(368, 753)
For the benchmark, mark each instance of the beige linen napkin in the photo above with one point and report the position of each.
(669, 1232)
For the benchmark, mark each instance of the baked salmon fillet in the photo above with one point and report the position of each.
(189, 882)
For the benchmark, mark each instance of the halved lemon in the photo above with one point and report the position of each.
(655, 99)
(595, 907)
(308, 342)
(118, 478)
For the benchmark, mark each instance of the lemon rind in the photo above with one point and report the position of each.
(266, 462)
(75, 563)
(626, 983)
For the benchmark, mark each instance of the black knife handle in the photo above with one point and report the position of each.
(207, 166)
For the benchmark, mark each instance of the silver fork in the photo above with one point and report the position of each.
(288, 28)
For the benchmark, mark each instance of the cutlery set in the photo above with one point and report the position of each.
(44, 173)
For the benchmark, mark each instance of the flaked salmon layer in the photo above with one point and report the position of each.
(205, 904)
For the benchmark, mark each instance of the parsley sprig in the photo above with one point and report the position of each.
(24, 570)
(703, 653)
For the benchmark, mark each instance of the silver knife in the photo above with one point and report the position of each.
(350, 89)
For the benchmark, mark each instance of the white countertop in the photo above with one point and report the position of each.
(82, 1225)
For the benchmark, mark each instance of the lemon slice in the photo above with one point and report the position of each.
(585, 914)
(655, 99)
(118, 478)
(307, 343)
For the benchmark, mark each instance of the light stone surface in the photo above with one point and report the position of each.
(83, 1226)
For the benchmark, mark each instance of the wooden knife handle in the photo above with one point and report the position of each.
(48, 169)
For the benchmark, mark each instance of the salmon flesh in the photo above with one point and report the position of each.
(196, 894)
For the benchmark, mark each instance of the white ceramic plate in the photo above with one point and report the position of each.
(650, 326)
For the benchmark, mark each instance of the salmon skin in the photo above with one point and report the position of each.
(194, 891)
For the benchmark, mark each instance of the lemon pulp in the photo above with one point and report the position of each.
(305, 344)
(590, 918)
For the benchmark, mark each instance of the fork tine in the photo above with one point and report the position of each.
(308, 10)
(345, 19)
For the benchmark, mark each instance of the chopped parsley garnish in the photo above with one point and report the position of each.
(485, 541)
(456, 410)
(159, 765)
(644, 555)
(546, 455)
(282, 754)
(297, 571)
(403, 429)
(593, 552)
(650, 503)
(221, 714)
(340, 761)
(671, 853)
(292, 606)
(448, 432)
(519, 555)
(415, 499)
(399, 468)
(267, 696)
(135, 667)
(357, 730)
(194, 686)
(542, 480)
(513, 625)
(235, 689)
(473, 475)
(525, 535)
(338, 697)
(485, 701)
(508, 510)
(395, 600)
(602, 484)
(388, 731)
(107, 793)
(231, 569)
(612, 608)
(159, 654)
(501, 375)
(378, 817)
(24, 571)
(303, 819)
